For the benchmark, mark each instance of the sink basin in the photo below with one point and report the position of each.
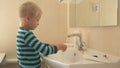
(73, 58)
(70, 56)
(64, 59)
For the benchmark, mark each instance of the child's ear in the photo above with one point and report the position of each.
(27, 18)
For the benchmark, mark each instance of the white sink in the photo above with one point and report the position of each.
(72, 58)
(64, 59)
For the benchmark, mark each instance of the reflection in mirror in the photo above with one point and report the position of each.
(93, 13)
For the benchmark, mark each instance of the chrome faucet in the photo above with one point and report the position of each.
(78, 42)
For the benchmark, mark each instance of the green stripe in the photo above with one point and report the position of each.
(20, 39)
(50, 50)
(18, 34)
(25, 48)
(21, 30)
(45, 51)
(27, 52)
(28, 38)
(37, 44)
(25, 61)
(30, 57)
(53, 49)
(20, 43)
(41, 47)
(32, 41)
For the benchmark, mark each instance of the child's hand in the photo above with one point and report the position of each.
(61, 47)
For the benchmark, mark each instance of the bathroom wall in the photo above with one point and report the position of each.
(52, 28)
(105, 39)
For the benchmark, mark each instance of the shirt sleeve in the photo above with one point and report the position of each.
(44, 48)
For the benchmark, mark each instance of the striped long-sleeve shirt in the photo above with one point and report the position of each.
(28, 48)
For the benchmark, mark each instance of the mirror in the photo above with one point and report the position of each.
(93, 13)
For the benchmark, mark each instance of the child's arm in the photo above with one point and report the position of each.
(44, 48)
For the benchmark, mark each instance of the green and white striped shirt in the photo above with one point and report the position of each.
(28, 48)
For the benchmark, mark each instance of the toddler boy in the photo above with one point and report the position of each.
(28, 46)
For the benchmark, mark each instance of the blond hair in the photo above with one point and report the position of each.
(29, 9)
